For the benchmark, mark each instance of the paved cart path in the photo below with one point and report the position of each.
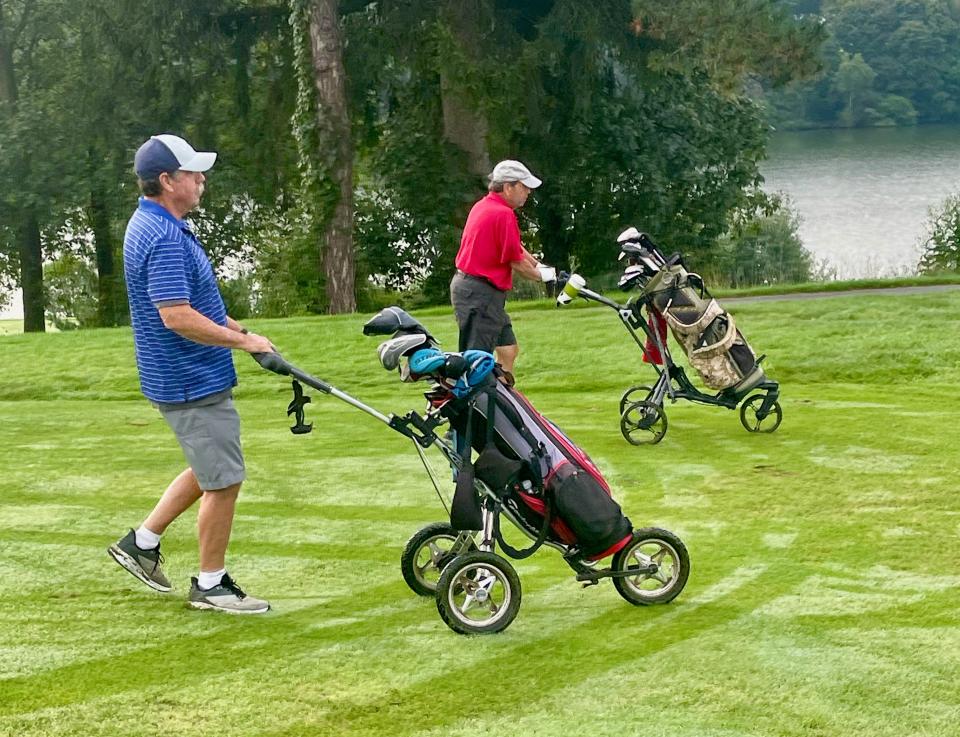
(843, 293)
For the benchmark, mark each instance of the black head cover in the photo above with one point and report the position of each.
(393, 320)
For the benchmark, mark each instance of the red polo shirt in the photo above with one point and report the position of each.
(491, 242)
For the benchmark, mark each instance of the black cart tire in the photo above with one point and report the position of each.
(478, 593)
(667, 551)
(425, 556)
(750, 421)
(643, 423)
(633, 390)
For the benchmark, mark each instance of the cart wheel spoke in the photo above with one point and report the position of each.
(435, 552)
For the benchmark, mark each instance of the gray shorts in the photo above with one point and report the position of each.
(480, 309)
(209, 434)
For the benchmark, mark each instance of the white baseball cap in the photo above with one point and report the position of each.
(513, 171)
(167, 153)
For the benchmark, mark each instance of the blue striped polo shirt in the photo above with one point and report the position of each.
(164, 264)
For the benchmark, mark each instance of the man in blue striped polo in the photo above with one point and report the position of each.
(183, 338)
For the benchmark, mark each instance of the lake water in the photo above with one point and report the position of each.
(864, 194)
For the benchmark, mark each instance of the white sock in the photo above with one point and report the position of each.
(209, 579)
(147, 539)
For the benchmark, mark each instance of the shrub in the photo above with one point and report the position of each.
(941, 241)
(762, 246)
(71, 286)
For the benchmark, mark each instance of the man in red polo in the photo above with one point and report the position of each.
(490, 254)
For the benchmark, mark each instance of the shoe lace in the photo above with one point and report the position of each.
(155, 555)
(229, 583)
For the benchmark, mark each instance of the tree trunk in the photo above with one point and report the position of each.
(8, 83)
(31, 273)
(326, 49)
(109, 308)
(464, 125)
(28, 230)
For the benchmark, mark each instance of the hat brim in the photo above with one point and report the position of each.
(532, 182)
(202, 161)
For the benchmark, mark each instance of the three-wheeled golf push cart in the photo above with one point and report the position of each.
(525, 470)
(669, 295)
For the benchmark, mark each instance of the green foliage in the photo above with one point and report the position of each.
(732, 39)
(881, 54)
(854, 81)
(71, 284)
(762, 246)
(619, 135)
(238, 296)
(941, 243)
(286, 269)
(98, 78)
(631, 112)
(416, 189)
(668, 152)
(895, 110)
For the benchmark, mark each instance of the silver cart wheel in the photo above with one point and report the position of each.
(428, 551)
(478, 593)
(652, 547)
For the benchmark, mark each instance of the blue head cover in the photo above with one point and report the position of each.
(427, 361)
(480, 364)
(431, 361)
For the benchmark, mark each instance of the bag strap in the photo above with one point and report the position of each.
(467, 456)
(541, 536)
(491, 393)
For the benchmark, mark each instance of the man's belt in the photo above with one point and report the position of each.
(483, 279)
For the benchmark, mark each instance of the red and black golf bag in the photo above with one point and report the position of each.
(548, 483)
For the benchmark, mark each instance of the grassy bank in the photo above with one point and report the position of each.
(822, 599)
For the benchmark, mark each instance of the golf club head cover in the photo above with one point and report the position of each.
(454, 366)
(426, 361)
(479, 366)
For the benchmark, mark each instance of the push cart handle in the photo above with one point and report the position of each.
(589, 294)
(279, 365)
(272, 362)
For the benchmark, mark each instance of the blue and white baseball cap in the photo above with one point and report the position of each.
(166, 153)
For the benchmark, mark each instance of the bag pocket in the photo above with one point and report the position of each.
(496, 470)
(465, 511)
(589, 511)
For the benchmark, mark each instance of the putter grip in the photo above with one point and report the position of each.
(272, 362)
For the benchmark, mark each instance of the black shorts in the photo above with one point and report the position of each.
(480, 309)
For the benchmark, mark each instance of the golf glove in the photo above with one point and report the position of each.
(547, 273)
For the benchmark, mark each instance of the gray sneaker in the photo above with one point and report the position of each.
(226, 596)
(144, 564)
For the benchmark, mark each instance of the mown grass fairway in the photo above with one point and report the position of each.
(823, 598)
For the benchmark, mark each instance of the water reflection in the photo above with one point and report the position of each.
(864, 194)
